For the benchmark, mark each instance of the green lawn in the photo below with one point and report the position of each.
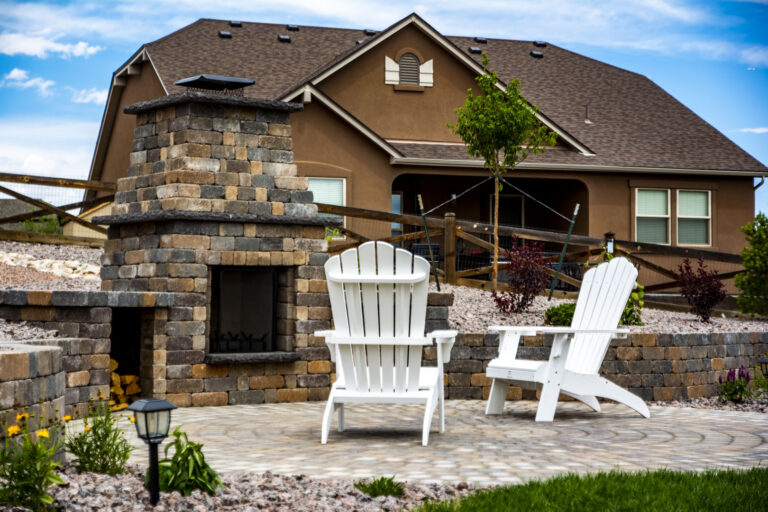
(663, 490)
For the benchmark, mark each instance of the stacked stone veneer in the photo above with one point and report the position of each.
(212, 183)
(31, 380)
(653, 366)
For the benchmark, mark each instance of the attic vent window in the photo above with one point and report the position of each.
(409, 69)
(369, 32)
(475, 49)
(481, 40)
(540, 44)
(292, 28)
(284, 39)
(235, 24)
(225, 35)
(537, 55)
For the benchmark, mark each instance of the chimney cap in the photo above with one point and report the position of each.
(214, 82)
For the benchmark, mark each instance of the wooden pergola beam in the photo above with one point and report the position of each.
(53, 209)
(57, 182)
(37, 213)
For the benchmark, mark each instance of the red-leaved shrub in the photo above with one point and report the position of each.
(527, 277)
(701, 288)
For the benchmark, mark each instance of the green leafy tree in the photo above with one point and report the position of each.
(753, 282)
(499, 126)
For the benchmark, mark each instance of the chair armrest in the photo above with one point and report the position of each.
(532, 330)
(445, 340)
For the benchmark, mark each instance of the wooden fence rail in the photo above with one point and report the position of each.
(451, 229)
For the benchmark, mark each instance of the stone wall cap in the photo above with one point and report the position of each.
(79, 298)
(171, 215)
(252, 357)
(219, 99)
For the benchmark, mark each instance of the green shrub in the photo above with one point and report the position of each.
(753, 282)
(27, 465)
(560, 315)
(101, 447)
(735, 387)
(48, 224)
(382, 486)
(187, 470)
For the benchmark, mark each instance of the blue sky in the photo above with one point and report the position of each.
(56, 58)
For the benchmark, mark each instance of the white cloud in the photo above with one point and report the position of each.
(19, 79)
(759, 130)
(92, 95)
(39, 46)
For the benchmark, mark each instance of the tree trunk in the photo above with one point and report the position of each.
(495, 230)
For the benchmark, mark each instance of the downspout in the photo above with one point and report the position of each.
(762, 180)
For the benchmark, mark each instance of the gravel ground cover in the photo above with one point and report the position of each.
(474, 311)
(54, 252)
(243, 491)
(11, 331)
(748, 405)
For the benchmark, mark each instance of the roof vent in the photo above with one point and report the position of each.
(223, 84)
(292, 28)
(369, 32)
(359, 41)
(475, 49)
(225, 35)
(537, 55)
(235, 24)
(540, 44)
(481, 40)
(284, 39)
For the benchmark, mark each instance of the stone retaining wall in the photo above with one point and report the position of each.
(653, 366)
(31, 376)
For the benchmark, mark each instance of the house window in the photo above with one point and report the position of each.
(409, 69)
(693, 217)
(652, 216)
(329, 191)
(397, 207)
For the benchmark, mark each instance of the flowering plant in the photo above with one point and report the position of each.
(735, 387)
(27, 465)
(102, 446)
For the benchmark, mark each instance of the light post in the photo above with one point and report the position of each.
(153, 420)
(763, 362)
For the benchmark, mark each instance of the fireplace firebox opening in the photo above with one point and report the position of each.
(242, 310)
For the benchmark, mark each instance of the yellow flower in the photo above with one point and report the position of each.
(101, 397)
(22, 416)
(133, 419)
(67, 418)
(13, 430)
(43, 433)
(87, 429)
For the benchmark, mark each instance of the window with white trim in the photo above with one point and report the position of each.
(329, 191)
(652, 215)
(408, 70)
(694, 218)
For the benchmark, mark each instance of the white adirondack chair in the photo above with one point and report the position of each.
(379, 305)
(577, 351)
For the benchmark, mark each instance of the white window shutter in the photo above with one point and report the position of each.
(391, 71)
(426, 74)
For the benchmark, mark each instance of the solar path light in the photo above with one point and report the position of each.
(153, 420)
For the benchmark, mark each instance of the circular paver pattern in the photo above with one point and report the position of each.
(483, 450)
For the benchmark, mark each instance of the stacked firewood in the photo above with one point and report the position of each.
(125, 389)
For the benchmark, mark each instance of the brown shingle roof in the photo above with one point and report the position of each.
(635, 123)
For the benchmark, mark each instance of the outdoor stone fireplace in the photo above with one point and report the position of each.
(213, 210)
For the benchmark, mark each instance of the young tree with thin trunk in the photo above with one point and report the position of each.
(501, 127)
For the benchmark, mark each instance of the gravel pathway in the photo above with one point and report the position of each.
(242, 491)
(474, 311)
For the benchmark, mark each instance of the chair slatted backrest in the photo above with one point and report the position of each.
(379, 293)
(604, 292)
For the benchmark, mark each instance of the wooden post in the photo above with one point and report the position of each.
(449, 247)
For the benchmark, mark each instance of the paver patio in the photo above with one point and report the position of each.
(482, 450)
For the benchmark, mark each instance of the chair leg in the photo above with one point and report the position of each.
(588, 400)
(428, 418)
(497, 397)
(340, 408)
(610, 390)
(327, 417)
(441, 400)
